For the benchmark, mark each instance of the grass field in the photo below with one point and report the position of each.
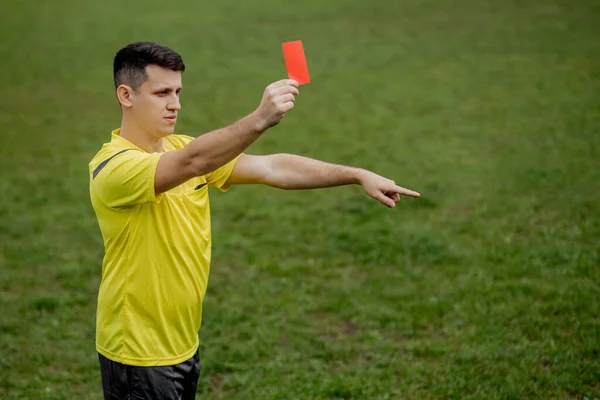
(488, 287)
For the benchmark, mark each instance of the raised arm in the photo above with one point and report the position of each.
(210, 151)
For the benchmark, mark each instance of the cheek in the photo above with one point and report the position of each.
(152, 105)
(157, 104)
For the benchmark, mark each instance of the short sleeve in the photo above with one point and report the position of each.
(218, 178)
(126, 179)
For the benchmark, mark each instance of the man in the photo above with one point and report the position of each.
(149, 190)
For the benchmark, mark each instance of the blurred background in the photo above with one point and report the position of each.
(487, 287)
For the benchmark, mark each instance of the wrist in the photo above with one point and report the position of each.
(257, 122)
(358, 176)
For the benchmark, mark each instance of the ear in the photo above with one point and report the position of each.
(125, 94)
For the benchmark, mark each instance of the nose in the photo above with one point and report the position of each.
(174, 104)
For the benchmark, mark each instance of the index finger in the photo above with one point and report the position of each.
(286, 89)
(285, 82)
(405, 192)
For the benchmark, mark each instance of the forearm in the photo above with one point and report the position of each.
(288, 171)
(216, 148)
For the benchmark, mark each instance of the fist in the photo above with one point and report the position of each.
(277, 100)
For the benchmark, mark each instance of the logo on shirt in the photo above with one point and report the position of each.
(200, 186)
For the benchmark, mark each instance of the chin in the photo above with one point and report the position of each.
(164, 132)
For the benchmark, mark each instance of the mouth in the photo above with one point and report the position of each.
(172, 119)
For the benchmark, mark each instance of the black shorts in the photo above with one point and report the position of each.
(173, 382)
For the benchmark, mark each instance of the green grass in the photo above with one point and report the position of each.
(485, 288)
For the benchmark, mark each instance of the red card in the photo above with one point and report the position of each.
(295, 61)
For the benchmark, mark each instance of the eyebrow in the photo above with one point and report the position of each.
(169, 88)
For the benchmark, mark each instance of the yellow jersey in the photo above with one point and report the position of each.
(157, 254)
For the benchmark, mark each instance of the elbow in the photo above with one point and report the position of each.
(201, 167)
(199, 164)
(279, 185)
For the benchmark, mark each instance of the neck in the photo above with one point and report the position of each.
(142, 139)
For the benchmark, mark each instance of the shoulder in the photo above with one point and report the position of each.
(179, 141)
(106, 151)
(109, 149)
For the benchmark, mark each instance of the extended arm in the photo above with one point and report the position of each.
(288, 171)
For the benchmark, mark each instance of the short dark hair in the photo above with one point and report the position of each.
(130, 62)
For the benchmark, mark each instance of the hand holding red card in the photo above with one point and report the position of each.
(295, 61)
